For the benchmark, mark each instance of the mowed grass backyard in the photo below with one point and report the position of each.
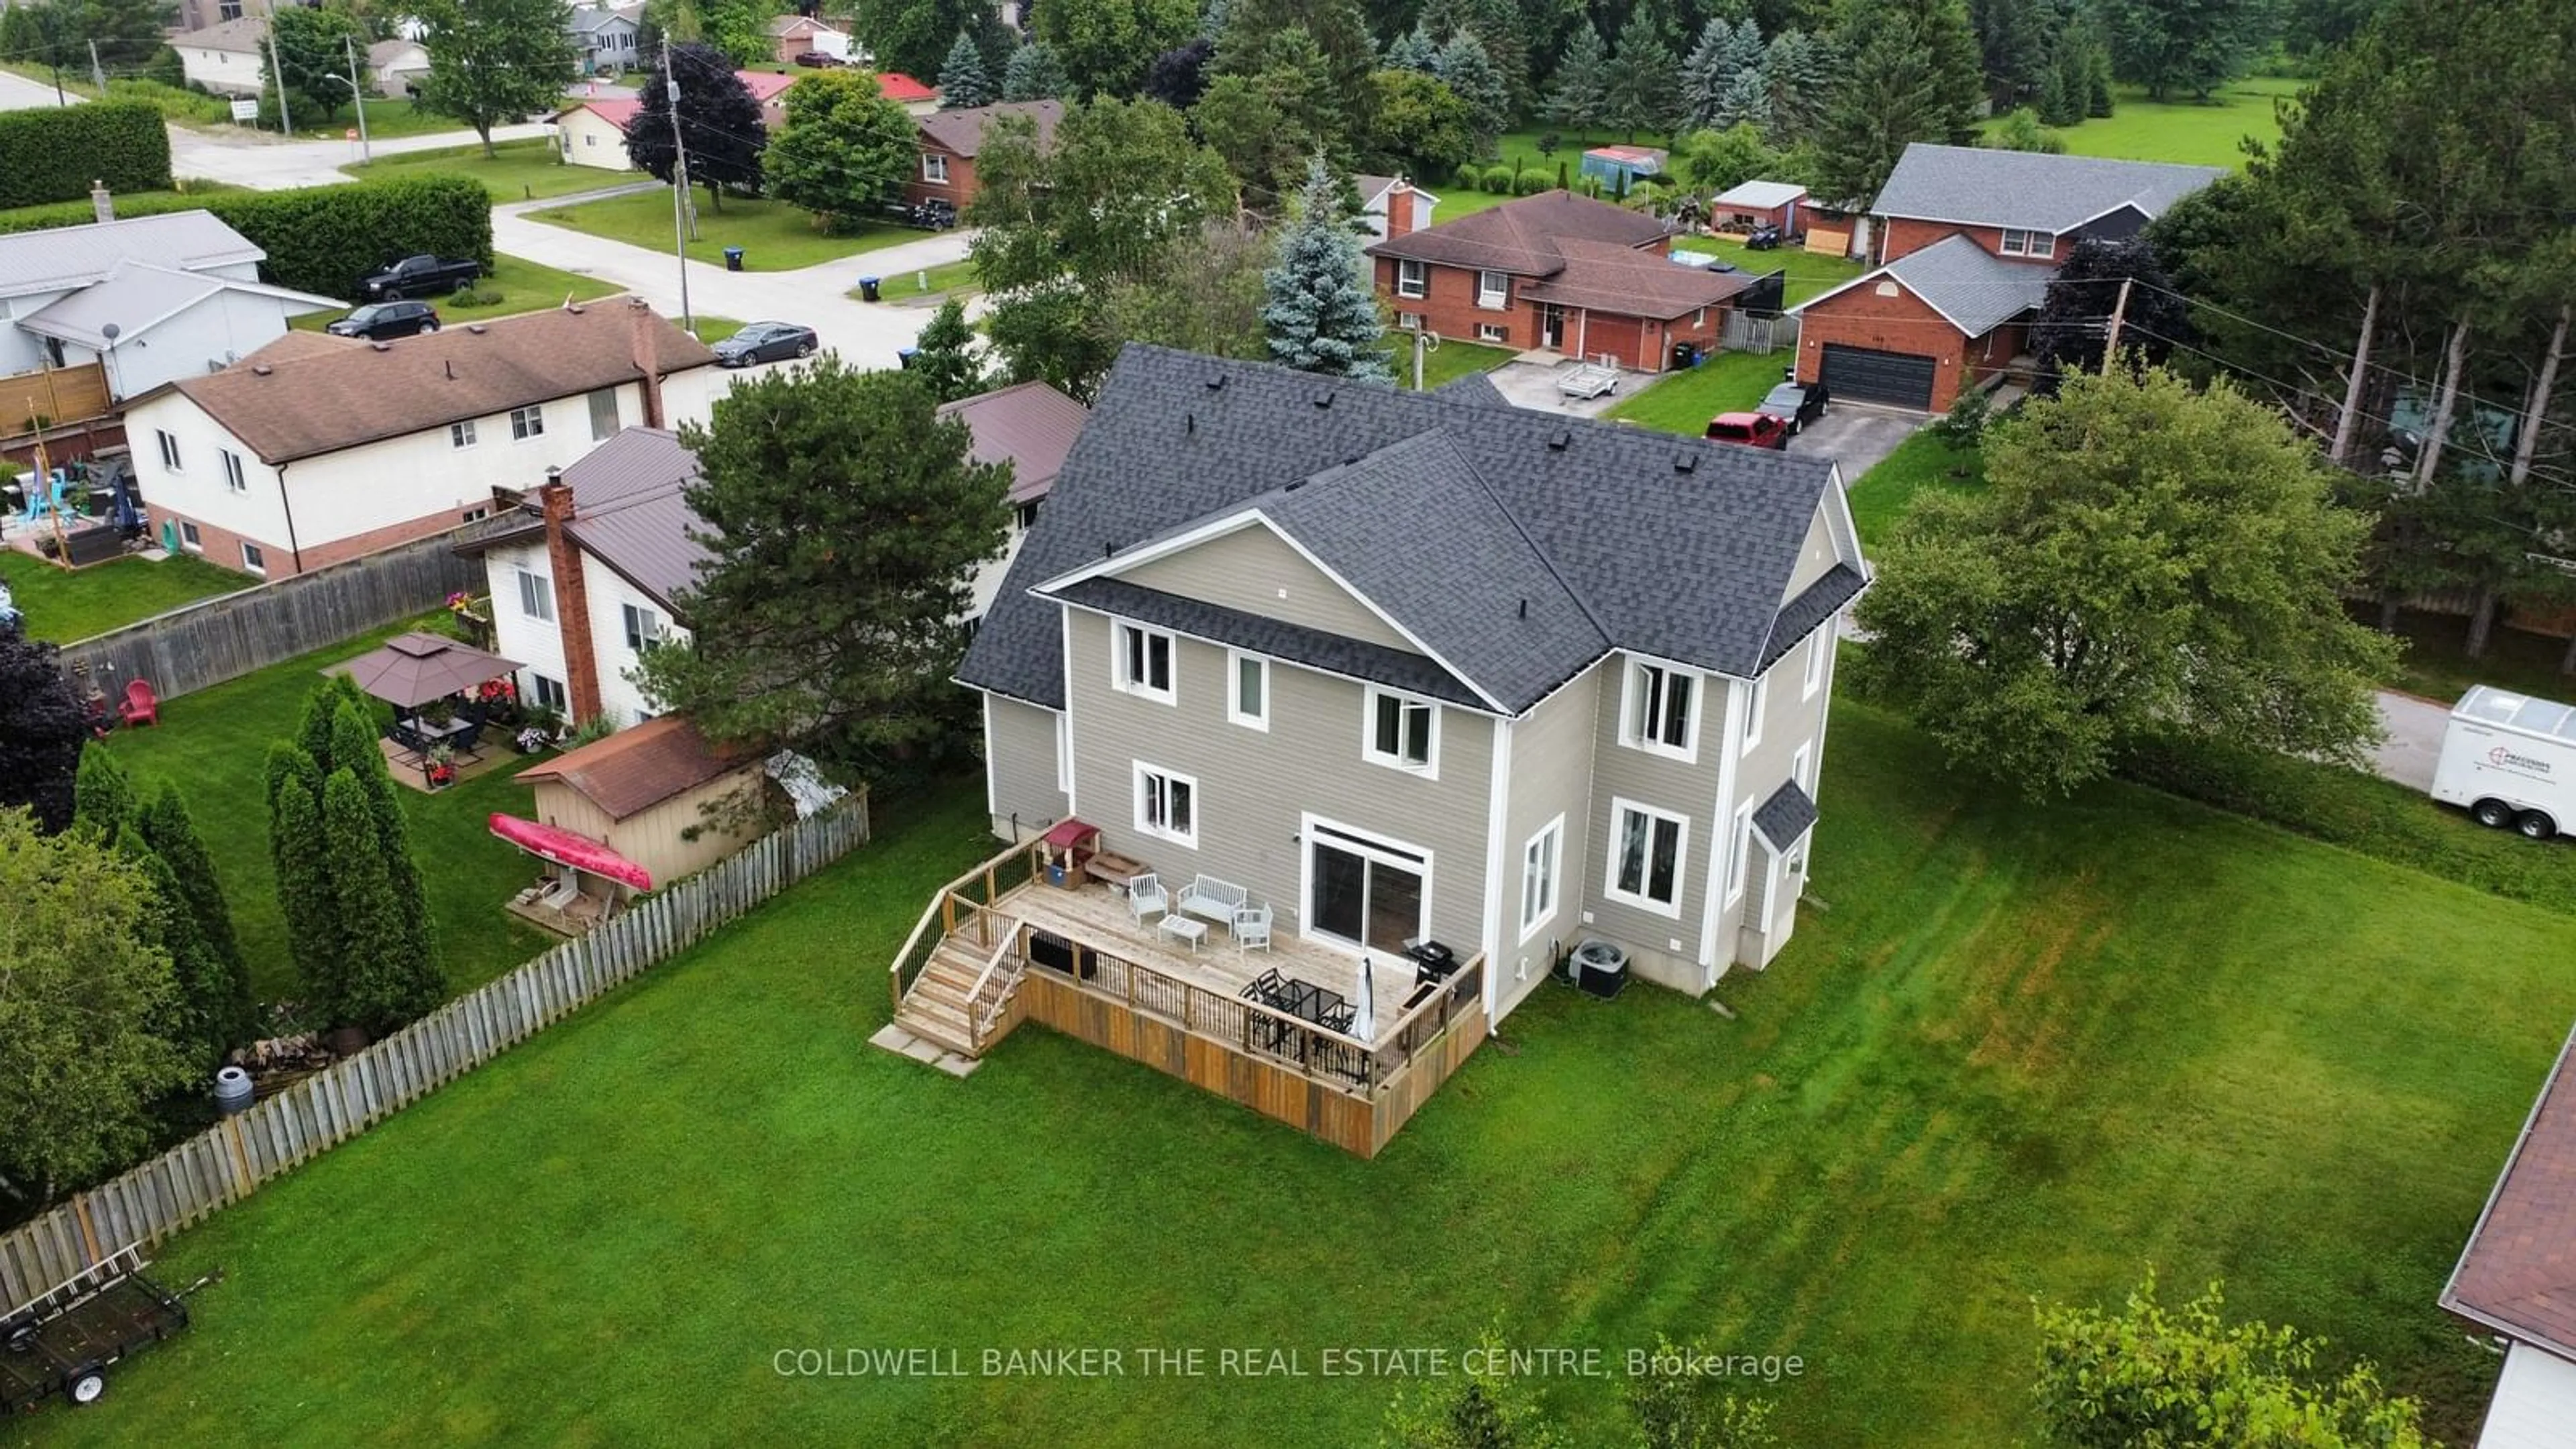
(1683, 402)
(774, 236)
(1448, 363)
(214, 744)
(1924, 462)
(67, 604)
(1809, 273)
(2197, 133)
(2014, 1053)
(516, 171)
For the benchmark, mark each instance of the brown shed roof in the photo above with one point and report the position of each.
(1029, 425)
(303, 395)
(1606, 277)
(2518, 1273)
(1525, 237)
(636, 769)
(961, 132)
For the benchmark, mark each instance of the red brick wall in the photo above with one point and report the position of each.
(1902, 235)
(223, 546)
(1902, 323)
(961, 179)
(1449, 308)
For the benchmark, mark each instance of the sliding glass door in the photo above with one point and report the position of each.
(1364, 891)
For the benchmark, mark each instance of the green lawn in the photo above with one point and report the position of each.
(516, 284)
(1923, 461)
(214, 744)
(1683, 402)
(1454, 360)
(2015, 1052)
(517, 171)
(712, 330)
(774, 237)
(1809, 273)
(64, 605)
(927, 285)
(2198, 133)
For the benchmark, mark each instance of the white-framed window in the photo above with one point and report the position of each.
(1403, 733)
(189, 539)
(1753, 714)
(169, 449)
(1799, 764)
(528, 422)
(1412, 278)
(1493, 290)
(1247, 689)
(1144, 663)
(1661, 714)
(1817, 644)
(254, 561)
(1408, 321)
(1740, 857)
(603, 415)
(643, 626)
(934, 168)
(1649, 850)
(1492, 332)
(232, 470)
(536, 596)
(1167, 805)
(461, 435)
(477, 515)
(549, 692)
(2029, 244)
(1540, 860)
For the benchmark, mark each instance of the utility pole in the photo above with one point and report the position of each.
(279, 71)
(1424, 340)
(2119, 314)
(358, 93)
(97, 72)
(679, 193)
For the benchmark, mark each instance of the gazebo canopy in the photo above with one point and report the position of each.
(413, 669)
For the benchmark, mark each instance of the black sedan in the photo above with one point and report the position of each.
(767, 342)
(1795, 403)
(378, 321)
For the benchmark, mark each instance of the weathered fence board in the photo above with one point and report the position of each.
(229, 1160)
(228, 636)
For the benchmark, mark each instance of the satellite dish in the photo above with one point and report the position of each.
(110, 332)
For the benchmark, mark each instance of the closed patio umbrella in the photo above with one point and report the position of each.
(413, 669)
(1364, 1019)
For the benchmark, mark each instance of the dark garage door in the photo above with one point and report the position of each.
(1868, 375)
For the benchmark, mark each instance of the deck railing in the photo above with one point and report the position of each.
(981, 887)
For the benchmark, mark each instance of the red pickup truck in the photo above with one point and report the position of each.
(1752, 430)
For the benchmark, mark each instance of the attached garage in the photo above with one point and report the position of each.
(1865, 374)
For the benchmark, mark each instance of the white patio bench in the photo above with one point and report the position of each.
(1215, 899)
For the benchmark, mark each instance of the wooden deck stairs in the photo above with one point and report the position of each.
(964, 997)
(935, 1007)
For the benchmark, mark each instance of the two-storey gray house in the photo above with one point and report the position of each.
(1415, 666)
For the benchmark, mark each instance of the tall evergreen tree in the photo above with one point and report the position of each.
(962, 82)
(1322, 315)
(1747, 102)
(1704, 73)
(1912, 77)
(1464, 66)
(381, 983)
(1579, 97)
(353, 749)
(718, 120)
(944, 355)
(1034, 74)
(197, 1018)
(1414, 50)
(1801, 75)
(223, 996)
(102, 796)
(1641, 79)
(302, 858)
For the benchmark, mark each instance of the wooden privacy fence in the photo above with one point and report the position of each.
(228, 636)
(58, 395)
(228, 1161)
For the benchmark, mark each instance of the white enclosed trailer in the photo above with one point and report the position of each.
(2511, 760)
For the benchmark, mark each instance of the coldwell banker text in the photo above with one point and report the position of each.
(1153, 1361)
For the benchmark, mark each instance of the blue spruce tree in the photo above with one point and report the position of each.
(1321, 316)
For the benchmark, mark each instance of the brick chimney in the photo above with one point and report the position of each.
(640, 332)
(1399, 208)
(101, 204)
(572, 599)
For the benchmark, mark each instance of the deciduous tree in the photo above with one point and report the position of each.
(1105, 45)
(1422, 127)
(2074, 321)
(845, 518)
(1715, 161)
(494, 62)
(1322, 314)
(1208, 300)
(844, 151)
(309, 49)
(1179, 76)
(719, 122)
(2147, 559)
(2183, 46)
(42, 729)
(915, 37)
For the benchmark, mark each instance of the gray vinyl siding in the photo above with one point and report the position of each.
(1020, 746)
(1816, 557)
(1687, 790)
(1255, 785)
(1551, 775)
(1252, 569)
(1789, 721)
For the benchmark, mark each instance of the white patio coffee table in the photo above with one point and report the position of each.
(1176, 924)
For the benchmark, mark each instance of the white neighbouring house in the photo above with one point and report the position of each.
(316, 449)
(396, 66)
(597, 569)
(224, 57)
(181, 290)
(1391, 204)
(592, 131)
(607, 40)
(2516, 1278)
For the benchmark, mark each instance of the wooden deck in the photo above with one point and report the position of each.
(1076, 961)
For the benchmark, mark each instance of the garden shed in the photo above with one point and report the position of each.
(653, 796)
(1759, 203)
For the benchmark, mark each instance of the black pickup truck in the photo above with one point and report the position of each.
(421, 276)
(64, 1353)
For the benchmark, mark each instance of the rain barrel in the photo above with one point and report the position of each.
(232, 1091)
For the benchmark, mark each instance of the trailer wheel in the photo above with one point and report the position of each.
(2536, 825)
(2493, 814)
(86, 1388)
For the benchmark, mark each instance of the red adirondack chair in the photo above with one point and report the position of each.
(140, 707)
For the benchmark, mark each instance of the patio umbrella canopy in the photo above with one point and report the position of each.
(1364, 1021)
(413, 669)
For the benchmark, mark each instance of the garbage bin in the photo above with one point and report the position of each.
(1684, 355)
(868, 288)
(733, 259)
(903, 355)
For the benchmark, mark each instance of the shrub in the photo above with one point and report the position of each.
(323, 238)
(55, 153)
(1531, 183)
(471, 295)
(1497, 180)
(1965, 422)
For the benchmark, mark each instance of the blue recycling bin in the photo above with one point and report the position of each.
(903, 356)
(868, 288)
(733, 259)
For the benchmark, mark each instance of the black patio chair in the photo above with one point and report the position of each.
(409, 741)
(466, 741)
(1339, 1016)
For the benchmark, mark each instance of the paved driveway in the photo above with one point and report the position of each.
(2414, 744)
(1532, 385)
(1856, 436)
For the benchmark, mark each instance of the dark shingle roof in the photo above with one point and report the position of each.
(1816, 603)
(1617, 545)
(1295, 643)
(1974, 186)
(1473, 387)
(2518, 1272)
(961, 131)
(1784, 817)
(1521, 236)
(1606, 277)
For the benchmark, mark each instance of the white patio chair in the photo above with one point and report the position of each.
(1146, 897)
(1251, 927)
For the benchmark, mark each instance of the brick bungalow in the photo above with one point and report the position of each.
(950, 141)
(1967, 241)
(1558, 272)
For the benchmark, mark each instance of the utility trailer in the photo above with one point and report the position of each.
(61, 1345)
(2510, 760)
(1587, 380)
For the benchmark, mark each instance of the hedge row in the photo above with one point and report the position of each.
(54, 153)
(2361, 813)
(324, 238)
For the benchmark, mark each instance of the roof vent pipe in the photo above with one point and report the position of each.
(1524, 608)
(1558, 441)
